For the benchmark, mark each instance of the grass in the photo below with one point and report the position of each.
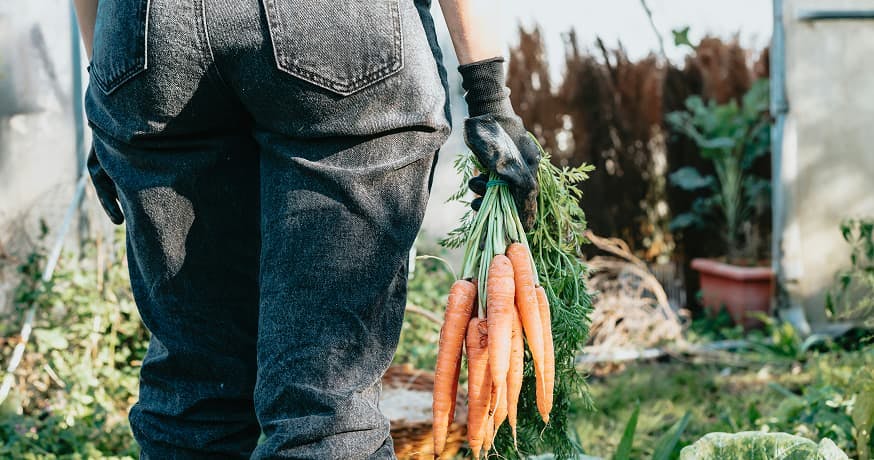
(722, 398)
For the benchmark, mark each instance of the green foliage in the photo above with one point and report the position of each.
(819, 412)
(760, 446)
(732, 136)
(665, 446)
(838, 406)
(556, 244)
(863, 412)
(780, 340)
(664, 449)
(734, 395)
(681, 37)
(623, 452)
(777, 340)
(785, 340)
(427, 289)
(712, 327)
(79, 375)
(853, 295)
(464, 165)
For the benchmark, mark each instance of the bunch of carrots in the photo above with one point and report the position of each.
(496, 306)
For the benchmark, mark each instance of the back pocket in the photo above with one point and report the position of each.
(339, 45)
(120, 35)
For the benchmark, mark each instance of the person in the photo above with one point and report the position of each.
(272, 160)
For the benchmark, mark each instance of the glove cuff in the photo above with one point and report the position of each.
(485, 86)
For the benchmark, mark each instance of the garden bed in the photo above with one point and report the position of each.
(78, 377)
(813, 399)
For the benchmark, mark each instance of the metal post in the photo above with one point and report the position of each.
(78, 115)
(51, 262)
(834, 15)
(779, 109)
(780, 194)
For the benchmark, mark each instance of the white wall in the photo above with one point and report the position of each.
(37, 157)
(828, 159)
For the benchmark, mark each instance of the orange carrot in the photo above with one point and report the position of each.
(544, 392)
(501, 291)
(479, 382)
(514, 377)
(458, 310)
(526, 301)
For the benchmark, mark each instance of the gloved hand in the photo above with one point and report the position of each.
(105, 187)
(496, 135)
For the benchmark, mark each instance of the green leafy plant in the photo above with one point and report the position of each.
(427, 291)
(839, 406)
(79, 375)
(821, 411)
(761, 446)
(732, 394)
(732, 136)
(681, 37)
(623, 451)
(715, 326)
(863, 412)
(664, 446)
(853, 295)
(783, 341)
(667, 444)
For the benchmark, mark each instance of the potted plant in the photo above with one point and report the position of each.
(732, 137)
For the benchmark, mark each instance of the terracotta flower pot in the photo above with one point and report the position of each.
(741, 290)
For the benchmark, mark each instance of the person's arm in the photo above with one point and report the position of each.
(473, 29)
(493, 131)
(107, 194)
(86, 14)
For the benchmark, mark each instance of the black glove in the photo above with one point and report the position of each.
(105, 187)
(496, 135)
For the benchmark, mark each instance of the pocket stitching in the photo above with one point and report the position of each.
(115, 82)
(348, 86)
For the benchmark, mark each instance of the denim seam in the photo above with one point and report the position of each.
(146, 36)
(348, 86)
(426, 149)
(208, 43)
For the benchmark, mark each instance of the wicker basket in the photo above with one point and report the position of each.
(406, 399)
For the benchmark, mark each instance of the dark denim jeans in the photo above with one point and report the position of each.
(273, 160)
